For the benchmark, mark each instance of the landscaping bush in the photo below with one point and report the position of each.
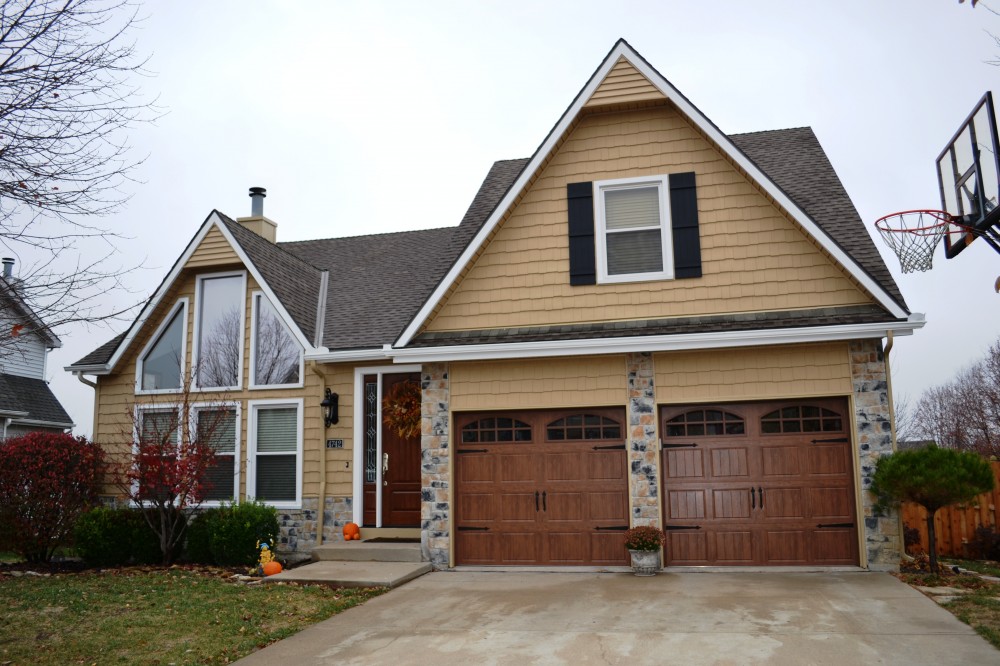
(911, 539)
(231, 533)
(114, 537)
(199, 536)
(46, 481)
(985, 544)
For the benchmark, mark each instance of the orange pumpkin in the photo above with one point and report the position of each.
(351, 531)
(272, 568)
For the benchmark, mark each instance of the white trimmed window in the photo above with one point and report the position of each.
(275, 452)
(219, 321)
(160, 363)
(219, 426)
(158, 427)
(633, 238)
(275, 355)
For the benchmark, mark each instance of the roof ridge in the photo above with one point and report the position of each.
(379, 235)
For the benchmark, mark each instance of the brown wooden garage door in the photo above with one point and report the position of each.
(759, 484)
(541, 488)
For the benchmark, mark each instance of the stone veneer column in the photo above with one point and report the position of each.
(642, 449)
(874, 439)
(435, 505)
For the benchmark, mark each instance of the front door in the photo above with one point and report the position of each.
(392, 461)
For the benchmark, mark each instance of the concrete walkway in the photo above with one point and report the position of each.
(687, 618)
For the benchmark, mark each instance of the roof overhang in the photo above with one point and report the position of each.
(213, 220)
(657, 343)
(623, 50)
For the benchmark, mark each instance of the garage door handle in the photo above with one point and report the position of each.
(544, 507)
(822, 525)
(536, 500)
(760, 493)
(753, 500)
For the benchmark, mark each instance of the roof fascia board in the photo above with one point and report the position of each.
(682, 342)
(623, 49)
(512, 193)
(278, 305)
(745, 163)
(36, 422)
(349, 355)
(158, 296)
(11, 413)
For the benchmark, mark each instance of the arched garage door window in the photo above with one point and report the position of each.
(583, 427)
(705, 423)
(801, 418)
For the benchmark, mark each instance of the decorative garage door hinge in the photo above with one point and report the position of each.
(668, 528)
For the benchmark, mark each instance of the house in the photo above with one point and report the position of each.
(26, 402)
(646, 322)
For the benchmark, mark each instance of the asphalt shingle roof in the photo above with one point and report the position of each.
(25, 394)
(378, 283)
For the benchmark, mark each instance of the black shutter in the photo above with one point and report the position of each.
(684, 225)
(580, 202)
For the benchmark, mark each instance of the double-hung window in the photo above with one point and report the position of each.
(219, 427)
(157, 435)
(633, 236)
(275, 452)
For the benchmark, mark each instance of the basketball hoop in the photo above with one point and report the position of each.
(913, 235)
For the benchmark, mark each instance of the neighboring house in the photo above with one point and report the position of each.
(645, 322)
(26, 401)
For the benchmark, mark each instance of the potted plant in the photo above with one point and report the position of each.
(644, 544)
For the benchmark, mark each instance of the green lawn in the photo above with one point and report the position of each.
(153, 616)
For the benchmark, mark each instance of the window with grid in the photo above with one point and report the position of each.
(801, 418)
(219, 428)
(496, 429)
(158, 450)
(583, 426)
(705, 423)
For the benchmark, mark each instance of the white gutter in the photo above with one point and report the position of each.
(48, 424)
(653, 343)
(349, 355)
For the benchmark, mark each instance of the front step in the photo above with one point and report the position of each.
(361, 551)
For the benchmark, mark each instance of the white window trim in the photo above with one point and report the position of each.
(252, 379)
(198, 407)
(181, 304)
(196, 338)
(253, 406)
(666, 234)
(137, 424)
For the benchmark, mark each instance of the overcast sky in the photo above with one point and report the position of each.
(365, 117)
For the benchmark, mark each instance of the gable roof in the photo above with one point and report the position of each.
(10, 297)
(622, 50)
(31, 400)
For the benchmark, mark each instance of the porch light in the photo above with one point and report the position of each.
(330, 407)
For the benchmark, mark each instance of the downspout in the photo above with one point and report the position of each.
(321, 512)
(6, 422)
(888, 387)
(97, 402)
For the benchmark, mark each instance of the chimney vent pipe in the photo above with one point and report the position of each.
(8, 267)
(257, 195)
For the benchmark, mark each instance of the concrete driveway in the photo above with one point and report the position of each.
(608, 618)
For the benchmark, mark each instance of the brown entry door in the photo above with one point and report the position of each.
(400, 463)
(541, 488)
(759, 484)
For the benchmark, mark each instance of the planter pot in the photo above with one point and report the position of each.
(645, 562)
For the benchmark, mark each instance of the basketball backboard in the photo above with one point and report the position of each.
(969, 177)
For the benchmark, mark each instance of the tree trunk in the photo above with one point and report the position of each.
(932, 541)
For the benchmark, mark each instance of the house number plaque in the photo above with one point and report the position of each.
(334, 443)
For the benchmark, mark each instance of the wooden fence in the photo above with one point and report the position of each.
(955, 526)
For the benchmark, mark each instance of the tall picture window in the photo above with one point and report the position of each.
(159, 367)
(220, 330)
(276, 356)
(276, 452)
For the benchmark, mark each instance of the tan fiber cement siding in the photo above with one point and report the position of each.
(116, 394)
(755, 373)
(214, 250)
(623, 84)
(539, 383)
(754, 258)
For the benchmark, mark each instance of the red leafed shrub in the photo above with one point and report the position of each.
(46, 481)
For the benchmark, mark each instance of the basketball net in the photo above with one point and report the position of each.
(913, 235)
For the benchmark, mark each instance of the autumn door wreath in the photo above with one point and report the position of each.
(401, 409)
